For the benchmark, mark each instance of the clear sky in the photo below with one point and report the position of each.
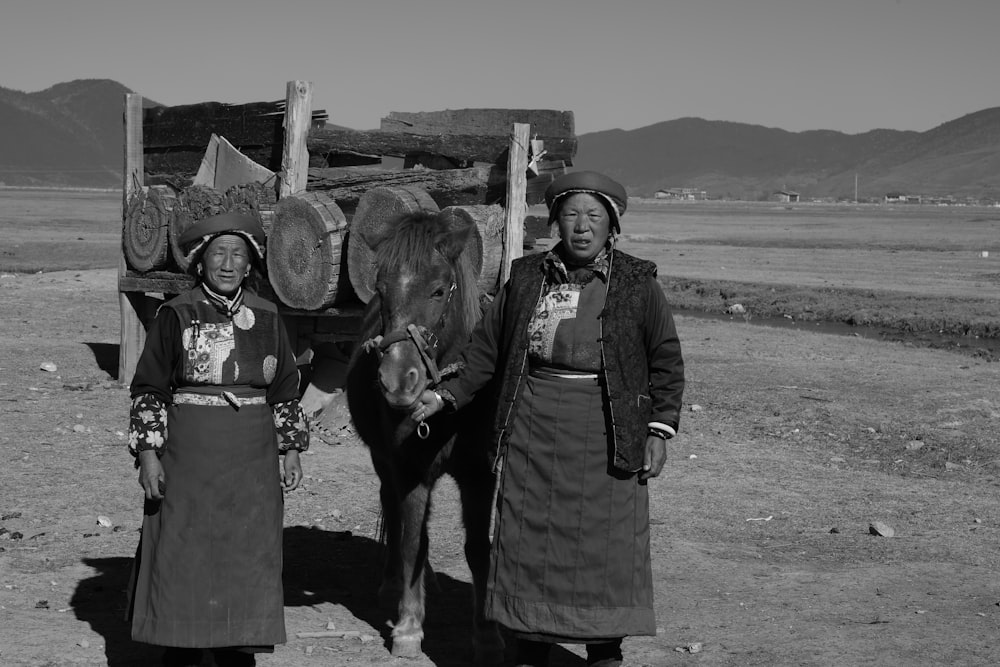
(848, 65)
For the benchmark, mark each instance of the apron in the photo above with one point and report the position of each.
(208, 566)
(570, 558)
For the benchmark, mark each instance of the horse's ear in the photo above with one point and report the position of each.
(375, 235)
(462, 235)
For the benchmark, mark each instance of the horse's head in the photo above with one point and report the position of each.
(425, 303)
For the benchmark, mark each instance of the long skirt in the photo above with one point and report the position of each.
(208, 566)
(570, 557)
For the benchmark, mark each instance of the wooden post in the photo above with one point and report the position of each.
(133, 333)
(517, 207)
(295, 155)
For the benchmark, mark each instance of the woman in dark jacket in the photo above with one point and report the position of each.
(582, 356)
(214, 404)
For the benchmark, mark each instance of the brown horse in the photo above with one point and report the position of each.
(425, 303)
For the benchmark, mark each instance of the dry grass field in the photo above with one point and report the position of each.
(921, 250)
(51, 230)
(913, 271)
(792, 444)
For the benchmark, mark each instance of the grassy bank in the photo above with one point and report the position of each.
(903, 313)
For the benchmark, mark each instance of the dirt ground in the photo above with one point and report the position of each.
(792, 444)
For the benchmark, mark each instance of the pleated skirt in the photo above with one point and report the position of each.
(570, 556)
(208, 567)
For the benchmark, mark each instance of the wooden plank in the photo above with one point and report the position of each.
(132, 336)
(162, 282)
(234, 168)
(295, 156)
(516, 206)
(206, 171)
(465, 147)
(495, 122)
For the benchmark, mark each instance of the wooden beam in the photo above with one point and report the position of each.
(465, 147)
(480, 122)
(516, 205)
(132, 336)
(156, 281)
(191, 126)
(295, 156)
(448, 187)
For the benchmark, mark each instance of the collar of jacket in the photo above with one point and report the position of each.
(557, 272)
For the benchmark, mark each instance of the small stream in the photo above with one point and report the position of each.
(986, 349)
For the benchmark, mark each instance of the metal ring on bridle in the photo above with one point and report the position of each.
(423, 430)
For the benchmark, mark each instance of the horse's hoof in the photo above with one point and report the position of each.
(406, 647)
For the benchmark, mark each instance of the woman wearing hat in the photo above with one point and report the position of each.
(582, 355)
(214, 405)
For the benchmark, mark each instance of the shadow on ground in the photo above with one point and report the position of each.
(321, 566)
(106, 357)
(100, 601)
(344, 569)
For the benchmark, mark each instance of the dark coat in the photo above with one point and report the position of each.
(642, 364)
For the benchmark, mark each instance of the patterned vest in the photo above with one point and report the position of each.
(224, 351)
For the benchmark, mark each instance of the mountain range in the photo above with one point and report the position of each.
(71, 135)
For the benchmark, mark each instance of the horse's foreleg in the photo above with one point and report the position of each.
(477, 499)
(392, 527)
(408, 631)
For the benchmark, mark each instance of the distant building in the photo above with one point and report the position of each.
(901, 198)
(786, 196)
(686, 194)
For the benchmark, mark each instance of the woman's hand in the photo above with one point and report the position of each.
(151, 477)
(654, 458)
(292, 471)
(429, 403)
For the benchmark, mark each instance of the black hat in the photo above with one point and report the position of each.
(591, 182)
(201, 233)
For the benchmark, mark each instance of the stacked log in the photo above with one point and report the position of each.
(196, 202)
(305, 252)
(146, 231)
(448, 187)
(256, 199)
(377, 210)
(489, 221)
(548, 171)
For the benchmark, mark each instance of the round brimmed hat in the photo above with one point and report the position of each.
(591, 182)
(194, 239)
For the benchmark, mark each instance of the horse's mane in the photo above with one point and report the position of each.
(413, 242)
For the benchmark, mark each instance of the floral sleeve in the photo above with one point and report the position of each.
(147, 427)
(290, 423)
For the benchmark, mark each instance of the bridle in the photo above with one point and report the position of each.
(426, 342)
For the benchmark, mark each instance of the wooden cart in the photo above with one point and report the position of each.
(471, 161)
